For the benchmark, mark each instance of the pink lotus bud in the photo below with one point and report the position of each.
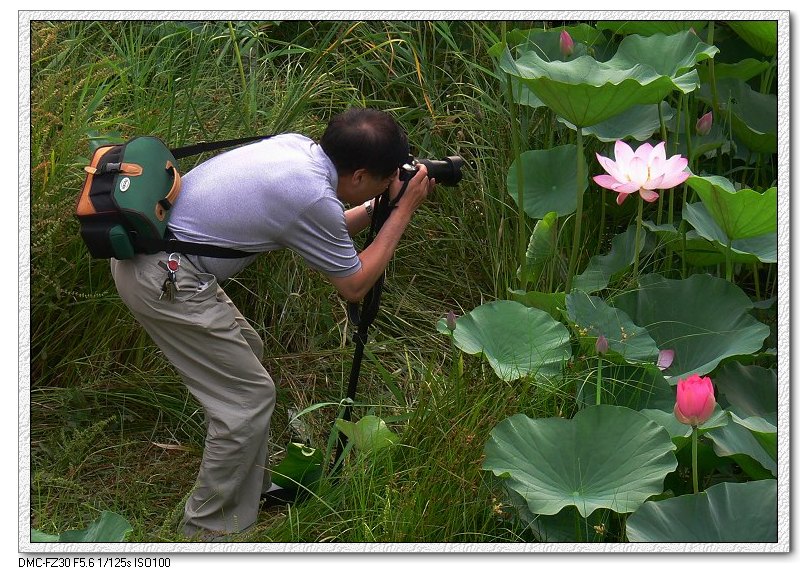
(665, 358)
(695, 400)
(601, 345)
(704, 124)
(565, 44)
(451, 320)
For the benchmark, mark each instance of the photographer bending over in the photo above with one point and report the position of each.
(287, 191)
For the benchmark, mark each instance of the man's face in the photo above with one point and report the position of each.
(363, 185)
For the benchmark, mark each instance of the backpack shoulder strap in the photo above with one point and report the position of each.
(203, 146)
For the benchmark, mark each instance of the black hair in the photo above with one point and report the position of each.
(363, 138)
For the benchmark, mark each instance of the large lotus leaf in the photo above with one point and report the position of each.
(744, 70)
(550, 302)
(761, 35)
(753, 115)
(109, 527)
(704, 319)
(649, 27)
(762, 248)
(545, 43)
(602, 268)
(701, 251)
(754, 450)
(668, 55)
(597, 318)
(635, 386)
(549, 177)
(586, 92)
(724, 513)
(639, 122)
(517, 340)
(605, 457)
(566, 526)
(741, 214)
(541, 246)
(681, 433)
(750, 390)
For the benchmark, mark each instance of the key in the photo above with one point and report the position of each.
(168, 291)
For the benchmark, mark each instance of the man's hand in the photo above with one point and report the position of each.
(418, 189)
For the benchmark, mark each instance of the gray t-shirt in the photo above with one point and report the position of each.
(277, 193)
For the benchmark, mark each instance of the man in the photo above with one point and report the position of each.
(283, 192)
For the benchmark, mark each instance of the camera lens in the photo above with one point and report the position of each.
(446, 171)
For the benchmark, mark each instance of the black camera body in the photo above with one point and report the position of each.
(446, 171)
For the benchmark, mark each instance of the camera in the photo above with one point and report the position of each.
(446, 171)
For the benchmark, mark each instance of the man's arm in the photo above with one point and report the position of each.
(374, 259)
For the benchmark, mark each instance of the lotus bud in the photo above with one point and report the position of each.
(704, 124)
(565, 44)
(601, 345)
(451, 321)
(695, 400)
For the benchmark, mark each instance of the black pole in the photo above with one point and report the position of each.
(363, 318)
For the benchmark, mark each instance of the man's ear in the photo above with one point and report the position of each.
(358, 175)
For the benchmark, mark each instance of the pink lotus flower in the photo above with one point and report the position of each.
(695, 400)
(643, 170)
(704, 124)
(565, 44)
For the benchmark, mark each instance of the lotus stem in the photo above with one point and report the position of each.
(695, 458)
(728, 256)
(600, 378)
(578, 213)
(637, 239)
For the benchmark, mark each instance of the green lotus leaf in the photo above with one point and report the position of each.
(704, 319)
(649, 27)
(761, 248)
(605, 457)
(602, 268)
(750, 390)
(740, 214)
(681, 433)
(598, 318)
(586, 92)
(109, 527)
(701, 251)
(369, 434)
(724, 513)
(743, 70)
(639, 122)
(566, 526)
(549, 181)
(517, 340)
(635, 386)
(541, 246)
(545, 43)
(761, 35)
(753, 115)
(550, 302)
(754, 450)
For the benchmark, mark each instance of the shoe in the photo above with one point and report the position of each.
(277, 495)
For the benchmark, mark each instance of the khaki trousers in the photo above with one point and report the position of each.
(218, 354)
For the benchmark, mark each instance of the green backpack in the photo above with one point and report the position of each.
(127, 196)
